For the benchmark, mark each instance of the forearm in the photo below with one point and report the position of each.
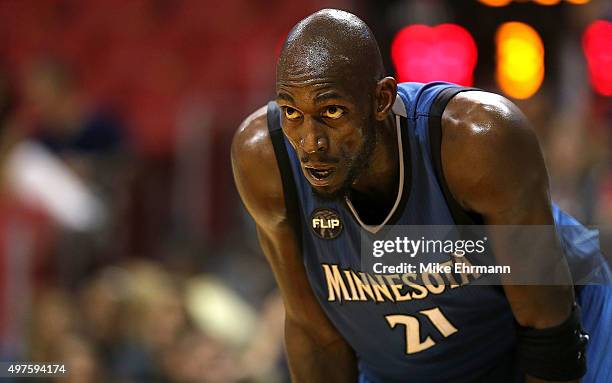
(547, 318)
(540, 307)
(311, 361)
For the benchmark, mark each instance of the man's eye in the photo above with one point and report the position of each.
(292, 114)
(333, 112)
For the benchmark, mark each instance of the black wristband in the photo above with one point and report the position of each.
(556, 353)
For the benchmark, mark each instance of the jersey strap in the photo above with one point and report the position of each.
(460, 215)
(292, 204)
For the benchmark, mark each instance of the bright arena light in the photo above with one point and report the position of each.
(446, 52)
(520, 60)
(547, 2)
(495, 3)
(597, 46)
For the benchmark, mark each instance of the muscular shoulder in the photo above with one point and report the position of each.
(490, 153)
(256, 172)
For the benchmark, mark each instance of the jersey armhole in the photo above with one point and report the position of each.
(460, 215)
(292, 204)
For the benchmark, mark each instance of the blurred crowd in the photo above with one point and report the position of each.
(74, 292)
(124, 250)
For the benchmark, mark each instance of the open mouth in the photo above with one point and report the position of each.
(320, 174)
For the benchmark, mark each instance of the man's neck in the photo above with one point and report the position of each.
(380, 179)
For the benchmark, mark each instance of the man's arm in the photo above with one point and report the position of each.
(494, 166)
(315, 350)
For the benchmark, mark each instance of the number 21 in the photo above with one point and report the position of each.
(413, 334)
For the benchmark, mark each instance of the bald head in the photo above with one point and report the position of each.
(334, 100)
(330, 43)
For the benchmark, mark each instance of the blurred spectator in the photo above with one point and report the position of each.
(152, 321)
(62, 122)
(82, 149)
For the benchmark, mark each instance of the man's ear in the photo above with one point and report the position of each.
(386, 91)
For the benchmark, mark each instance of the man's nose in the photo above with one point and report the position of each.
(314, 138)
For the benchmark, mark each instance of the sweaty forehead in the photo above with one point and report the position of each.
(316, 68)
(317, 90)
(315, 58)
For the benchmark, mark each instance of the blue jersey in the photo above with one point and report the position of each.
(404, 330)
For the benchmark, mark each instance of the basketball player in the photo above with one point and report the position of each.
(343, 141)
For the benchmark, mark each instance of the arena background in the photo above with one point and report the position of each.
(124, 250)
